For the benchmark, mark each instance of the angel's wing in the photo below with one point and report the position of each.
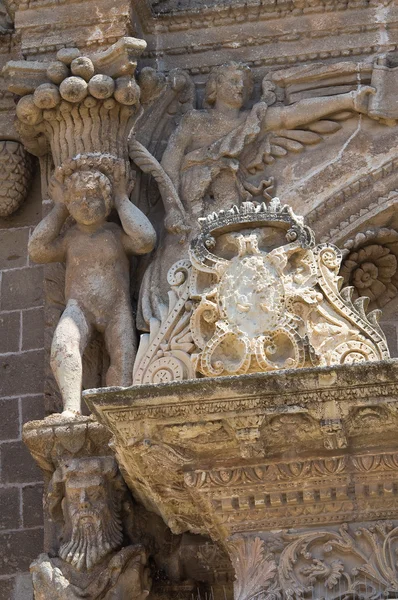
(165, 101)
(277, 144)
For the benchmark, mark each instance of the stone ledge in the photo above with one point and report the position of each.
(272, 450)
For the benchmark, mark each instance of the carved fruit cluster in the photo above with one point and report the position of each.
(72, 80)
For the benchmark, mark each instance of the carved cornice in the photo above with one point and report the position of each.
(219, 14)
(209, 457)
(39, 28)
(357, 196)
(292, 494)
(197, 397)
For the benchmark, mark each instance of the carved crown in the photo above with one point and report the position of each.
(254, 214)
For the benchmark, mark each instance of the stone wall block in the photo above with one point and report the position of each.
(21, 373)
(32, 503)
(32, 329)
(17, 464)
(9, 420)
(17, 550)
(10, 329)
(10, 508)
(14, 248)
(21, 288)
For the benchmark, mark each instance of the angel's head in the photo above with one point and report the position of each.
(88, 196)
(231, 84)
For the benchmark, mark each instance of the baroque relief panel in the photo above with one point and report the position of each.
(163, 219)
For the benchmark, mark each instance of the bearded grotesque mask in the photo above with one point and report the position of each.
(91, 505)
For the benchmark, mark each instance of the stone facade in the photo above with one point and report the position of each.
(142, 147)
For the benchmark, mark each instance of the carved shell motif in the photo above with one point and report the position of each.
(15, 176)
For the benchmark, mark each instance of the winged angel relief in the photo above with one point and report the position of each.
(228, 318)
(216, 158)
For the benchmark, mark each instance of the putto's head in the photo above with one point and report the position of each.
(88, 197)
(231, 83)
(88, 494)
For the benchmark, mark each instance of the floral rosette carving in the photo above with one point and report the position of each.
(370, 266)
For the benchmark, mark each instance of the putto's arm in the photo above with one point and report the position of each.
(46, 244)
(308, 111)
(139, 236)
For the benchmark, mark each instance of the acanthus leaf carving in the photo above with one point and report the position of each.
(255, 569)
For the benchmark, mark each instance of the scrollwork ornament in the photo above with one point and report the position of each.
(255, 569)
(347, 563)
(255, 298)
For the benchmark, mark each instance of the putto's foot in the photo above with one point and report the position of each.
(70, 414)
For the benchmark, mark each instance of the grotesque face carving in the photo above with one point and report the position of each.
(91, 509)
(88, 197)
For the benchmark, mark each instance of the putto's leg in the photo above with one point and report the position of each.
(70, 340)
(121, 343)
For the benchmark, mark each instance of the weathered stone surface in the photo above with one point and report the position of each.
(32, 408)
(10, 325)
(32, 502)
(15, 176)
(17, 463)
(235, 457)
(22, 288)
(86, 498)
(29, 363)
(17, 549)
(256, 295)
(32, 329)
(314, 413)
(6, 588)
(13, 248)
(10, 507)
(308, 457)
(9, 420)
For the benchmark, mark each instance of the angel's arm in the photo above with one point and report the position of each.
(175, 150)
(148, 164)
(46, 244)
(312, 109)
(139, 237)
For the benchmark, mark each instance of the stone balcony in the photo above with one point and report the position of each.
(240, 458)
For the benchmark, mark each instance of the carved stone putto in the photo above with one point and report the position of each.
(83, 110)
(257, 295)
